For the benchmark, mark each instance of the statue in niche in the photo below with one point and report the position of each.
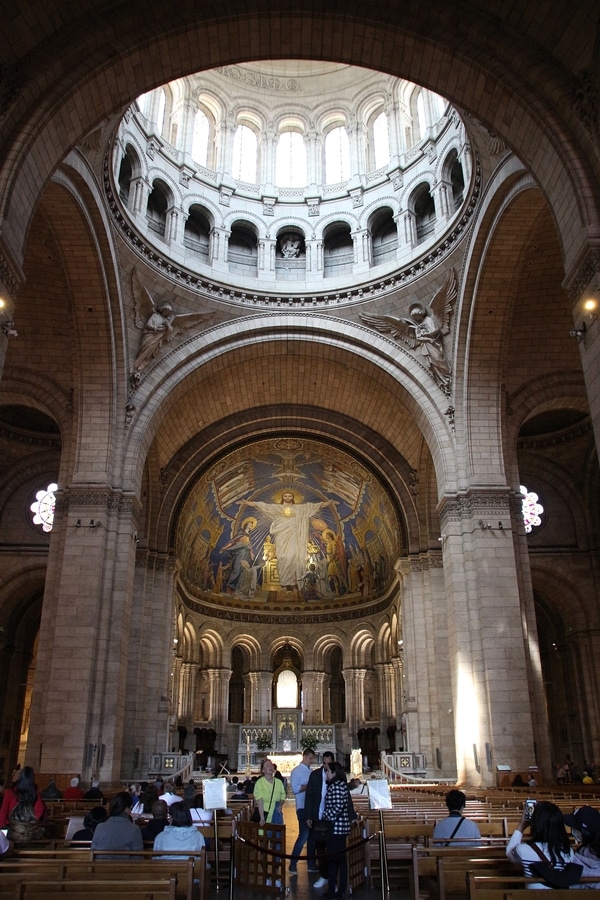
(290, 246)
(159, 325)
(424, 329)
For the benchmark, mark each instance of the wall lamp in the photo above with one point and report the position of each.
(579, 331)
(487, 526)
(94, 523)
(6, 311)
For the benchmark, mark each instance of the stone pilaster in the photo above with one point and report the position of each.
(490, 675)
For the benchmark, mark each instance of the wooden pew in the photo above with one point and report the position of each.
(152, 889)
(439, 871)
(188, 870)
(399, 838)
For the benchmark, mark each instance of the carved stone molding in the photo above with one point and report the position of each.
(421, 563)
(589, 269)
(82, 498)
(475, 504)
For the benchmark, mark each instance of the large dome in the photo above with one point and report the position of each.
(290, 181)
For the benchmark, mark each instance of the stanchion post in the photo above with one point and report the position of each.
(234, 839)
(216, 839)
(385, 881)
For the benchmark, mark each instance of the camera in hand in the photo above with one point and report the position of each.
(529, 807)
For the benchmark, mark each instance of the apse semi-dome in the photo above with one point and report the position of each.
(309, 183)
(286, 525)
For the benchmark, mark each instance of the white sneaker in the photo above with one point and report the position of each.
(321, 882)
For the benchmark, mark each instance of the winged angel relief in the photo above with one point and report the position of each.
(424, 329)
(159, 325)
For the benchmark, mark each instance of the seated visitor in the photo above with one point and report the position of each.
(154, 826)
(51, 792)
(73, 792)
(118, 832)
(169, 795)
(144, 804)
(23, 809)
(585, 827)
(94, 793)
(181, 834)
(456, 828)
(547, 834)
(93, 817)
(189, 793)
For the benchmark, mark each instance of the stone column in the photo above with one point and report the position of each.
(187, 702)
(488, 628)
(314, 153)
(139, 191)
(266, 256)
(80, 697)
(262, 688)
(310, 695)
(150, 710)
(387, 706)
(427, 694)
(355, 700)
(219, 704)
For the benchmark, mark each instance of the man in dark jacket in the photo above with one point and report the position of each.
(315, 799)
(157, 823)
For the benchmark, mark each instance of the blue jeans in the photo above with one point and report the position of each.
(303, 833)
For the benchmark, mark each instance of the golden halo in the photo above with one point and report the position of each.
(250, 520)
(327, 532)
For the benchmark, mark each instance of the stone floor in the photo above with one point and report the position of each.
(300, 886)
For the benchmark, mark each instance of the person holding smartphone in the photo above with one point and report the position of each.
(548, 834)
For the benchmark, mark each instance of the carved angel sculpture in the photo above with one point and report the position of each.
(424, 329)
(158, 324)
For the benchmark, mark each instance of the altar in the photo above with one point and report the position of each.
(281, 741)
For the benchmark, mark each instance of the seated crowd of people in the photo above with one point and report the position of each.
(153, 815)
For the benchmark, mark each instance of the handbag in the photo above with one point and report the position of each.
(255, 815)
(556, 878)
(322, 830)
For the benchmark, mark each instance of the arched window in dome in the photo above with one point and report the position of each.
(424, 210)
(245, 154)
(338, 251)
(152, 105)
(125, 175)
(381, 141)
(196, 235)
(384, 237)
(290, 166)
(43, 508)
(430, 109)
(242, 250)
(129, 169)
(200, 138)
(337, 156)
(532, 509)
(156, 210)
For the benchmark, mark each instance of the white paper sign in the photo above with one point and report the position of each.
(379, 794)
(215, 793)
